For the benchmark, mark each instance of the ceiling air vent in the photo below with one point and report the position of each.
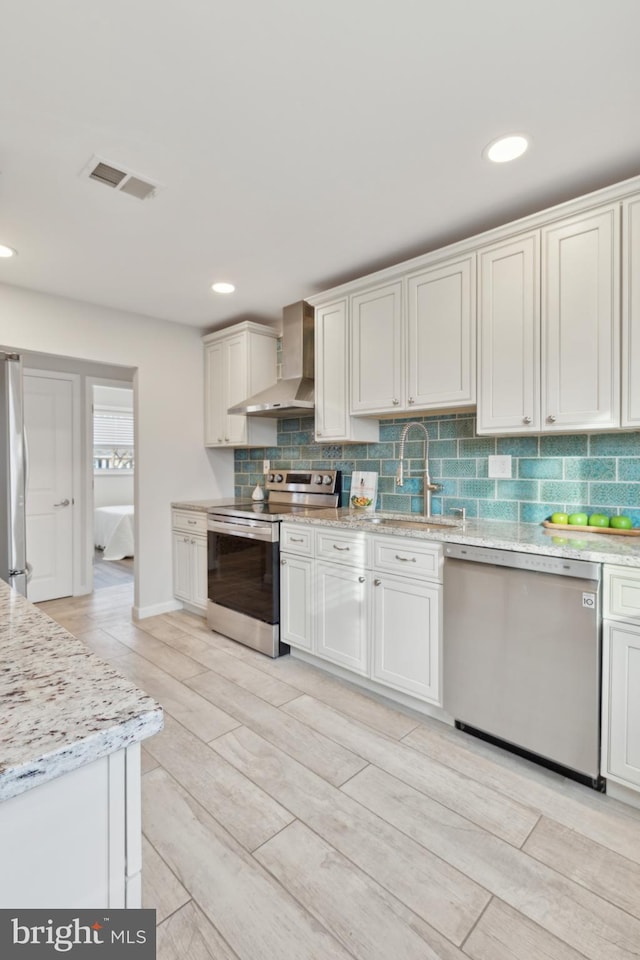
(121, 180)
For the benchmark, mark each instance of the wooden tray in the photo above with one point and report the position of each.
(587, 529)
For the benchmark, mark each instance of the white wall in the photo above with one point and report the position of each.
(171, 461)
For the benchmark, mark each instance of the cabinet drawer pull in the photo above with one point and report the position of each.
(336, 547)
(192, 522)
(405, 559)
(377, 582)
(296, 539)
(361, 579)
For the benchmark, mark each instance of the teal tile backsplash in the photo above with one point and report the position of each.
(597, 472)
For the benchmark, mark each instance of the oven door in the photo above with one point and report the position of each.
(244, 568)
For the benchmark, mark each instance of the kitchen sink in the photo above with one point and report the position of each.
(415, 523)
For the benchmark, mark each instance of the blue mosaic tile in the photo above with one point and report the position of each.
(441, 448)
(482, 467)
(498, 509)
(590, 468)
(615, 444)
(541, 468)
(618, 494)
(411, 485)
(485, 489)
(256, 453)
(287, 425)
(537, 512)
(393, 502)
(454, 429)
(516, 490)
(483, 447)
(458, 468)
(435, 467)
(387, 485)
(293, 453)
(564, 491)
(241, 454)
(436, 506)
(571, 446)
(368, 465)
(300, 437)
(517, 446)
(629, 468)
(449, 488)
(388, 468)
(331, 451)
(389, 431)
(379, 451)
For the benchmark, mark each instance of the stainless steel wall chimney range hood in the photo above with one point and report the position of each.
(293, 395)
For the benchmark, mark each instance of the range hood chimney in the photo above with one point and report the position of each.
(291, 396)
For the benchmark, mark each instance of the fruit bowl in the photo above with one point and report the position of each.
(361, 503)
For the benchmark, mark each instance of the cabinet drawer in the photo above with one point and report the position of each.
(621, 593)
(341, 546)
(410, 558)
(296, 538)
(191, 521)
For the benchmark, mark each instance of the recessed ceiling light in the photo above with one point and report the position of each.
(222, 287)
(506, 148)
(6, 251)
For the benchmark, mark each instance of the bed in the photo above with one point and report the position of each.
(113, 531)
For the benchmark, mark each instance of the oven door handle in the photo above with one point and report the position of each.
(247, 531)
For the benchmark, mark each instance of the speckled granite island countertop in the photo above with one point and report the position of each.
(61, 706)
(523, 537)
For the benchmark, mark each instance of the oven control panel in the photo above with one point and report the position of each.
(304, 481)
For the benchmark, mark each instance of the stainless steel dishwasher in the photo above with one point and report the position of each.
(522, 651)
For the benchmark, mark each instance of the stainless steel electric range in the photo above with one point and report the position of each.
(244, 555)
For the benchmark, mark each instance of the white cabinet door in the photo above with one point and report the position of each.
(182, 588)
(296, 579)
(406, 635)
(341, 623)
(621, 702)
(631, 313)
(441, 335)
(333, 419)
(377, 350)
(580, 322)
(509, 336)
(237, 390)
(215, 414)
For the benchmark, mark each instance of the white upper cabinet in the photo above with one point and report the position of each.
(239, 361)
(509, 336)
(413, 341)
(548, 323)
(333, 420)
(377, 350)
(441, 335)
(631, 313)
(581, 322)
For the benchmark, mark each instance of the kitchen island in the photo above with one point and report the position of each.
(70, 732)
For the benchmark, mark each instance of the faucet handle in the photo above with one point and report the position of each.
(460, 511)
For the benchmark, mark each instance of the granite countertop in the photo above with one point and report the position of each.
(523, 537)
(61, 706)
(201, 506)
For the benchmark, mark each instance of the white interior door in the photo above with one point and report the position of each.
(48, 416)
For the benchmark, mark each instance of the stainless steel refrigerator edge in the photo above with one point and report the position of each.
(13, 561)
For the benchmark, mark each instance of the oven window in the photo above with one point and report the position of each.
(244, 575)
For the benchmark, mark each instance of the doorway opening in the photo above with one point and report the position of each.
(113, 463)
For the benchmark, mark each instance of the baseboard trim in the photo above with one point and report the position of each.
(141, 613)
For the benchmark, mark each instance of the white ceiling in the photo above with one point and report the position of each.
(299, 144)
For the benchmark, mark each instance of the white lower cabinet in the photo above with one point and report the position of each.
(621, 676)
(342, 622)
(406, 635)
(296, 599)
(75, 842)
(364, 611)
(189, 537)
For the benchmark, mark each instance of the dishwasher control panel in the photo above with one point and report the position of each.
(539, 563)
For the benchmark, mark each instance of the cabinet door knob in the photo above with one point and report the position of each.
(551, 418)
(192, 541)
(283, 563)
(185, 539)
(318, 433)
(411, 400)
(226, 439)
(396, 402)
(377, 582)
(361, 579)
(219, 439)
(526, 419)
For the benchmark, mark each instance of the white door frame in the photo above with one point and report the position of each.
(79, 583)
(90, 383)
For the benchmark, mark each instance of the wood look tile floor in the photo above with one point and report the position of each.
(289, 816)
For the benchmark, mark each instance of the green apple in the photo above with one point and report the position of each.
(579, 519)
(559, 518)
(621, 523)
(598, 520)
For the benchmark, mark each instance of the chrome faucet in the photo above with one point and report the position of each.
(428, 486)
